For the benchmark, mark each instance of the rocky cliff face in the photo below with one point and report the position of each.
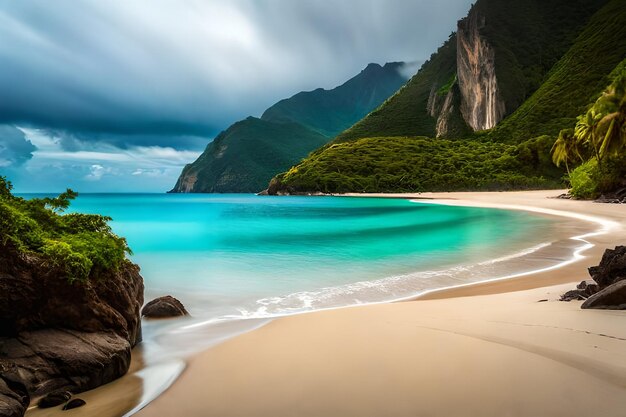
(55, 335)
(481, 105)
(441, 107)
(186, 181)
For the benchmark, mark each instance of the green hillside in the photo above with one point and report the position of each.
(574, 82)
(245, 156)
(249, 153)
(528, 37)
(417, 164)
(563, 84)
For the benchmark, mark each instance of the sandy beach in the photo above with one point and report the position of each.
(498, 348)
(497, 351)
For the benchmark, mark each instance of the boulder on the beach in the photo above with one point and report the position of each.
(583, 291)
(612, 297)
(164, 307)
(14, 398)
(612, 267)
(54, 398)
(74, 403)
(574, 295)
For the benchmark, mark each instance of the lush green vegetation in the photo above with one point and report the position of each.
(405, 113)
(575, 80)
(249, 153)
(600, 134)
(528, 38)
(415, 164)
(246, 156)
(559, 53)
(81, 245)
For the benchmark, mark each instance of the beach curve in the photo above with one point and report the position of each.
(326, 363)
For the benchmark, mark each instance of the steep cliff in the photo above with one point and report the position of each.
(481, 105)
(245, 156)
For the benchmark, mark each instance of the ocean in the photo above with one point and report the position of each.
(260, 256)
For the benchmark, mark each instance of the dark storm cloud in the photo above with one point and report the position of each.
(156, 72)
(74, 141)
(15, 149)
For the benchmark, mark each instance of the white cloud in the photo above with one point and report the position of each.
(146, 168)
(96, 172)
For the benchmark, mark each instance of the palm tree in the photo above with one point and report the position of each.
(610, 134)
(604, 124)
(585, 129)
(565, 149)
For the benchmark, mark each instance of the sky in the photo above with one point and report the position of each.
(117, 96)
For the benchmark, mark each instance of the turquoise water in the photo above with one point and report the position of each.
(257, 256)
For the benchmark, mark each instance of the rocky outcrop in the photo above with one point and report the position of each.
(54, 398)
(583, 291)
(610, 275)
(612, 267)
(612, 297)
(481, 105)
(75, 403)
(441, 106)
(609, 290)
(164, 307)
(616, 197)
(186, 181)
(13, 398)
(60, 336)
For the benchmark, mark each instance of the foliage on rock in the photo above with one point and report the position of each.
(81, 245)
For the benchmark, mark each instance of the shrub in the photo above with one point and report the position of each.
(61, 255)
(584, 180)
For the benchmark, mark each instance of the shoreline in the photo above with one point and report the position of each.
(520, 280)
(247, 356)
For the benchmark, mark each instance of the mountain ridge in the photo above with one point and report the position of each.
(244, 157)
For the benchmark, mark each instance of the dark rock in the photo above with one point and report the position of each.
(543, 301)
(574, 295)
(75, 403)
(592, 289)
(164, 307)
(14, 398)
(612, 267)
(616, 197)
(54, 398)
(612, 297)
(34, 296)
(57, 336)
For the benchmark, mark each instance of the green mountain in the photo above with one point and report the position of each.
(514, 72)
(249, 153)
